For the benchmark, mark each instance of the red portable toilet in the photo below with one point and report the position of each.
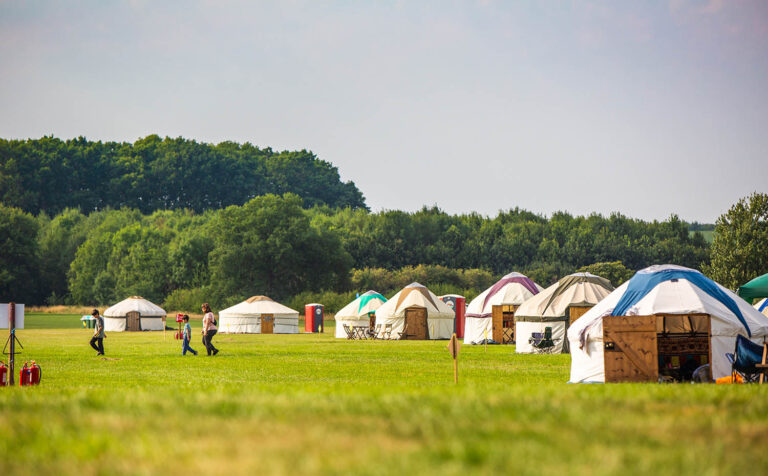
(313, 317)
(459, 306)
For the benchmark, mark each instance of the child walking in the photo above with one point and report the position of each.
(186, 336)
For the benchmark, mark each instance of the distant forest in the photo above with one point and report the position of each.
(49, 175)
(180, 222)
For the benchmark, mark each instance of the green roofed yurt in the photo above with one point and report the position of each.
(134, 314)
(360, 312)
(415, 313)
(755, 289)
(259, 315)
(541, 322)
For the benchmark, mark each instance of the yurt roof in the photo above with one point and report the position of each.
(416, 295)
(255, 306)
(578, 289)
(134, 304)
(365, 303)
(671, 289)
(512, 289)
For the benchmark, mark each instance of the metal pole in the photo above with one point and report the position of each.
(12, 337)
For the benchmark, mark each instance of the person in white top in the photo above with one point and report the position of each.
(209, 329)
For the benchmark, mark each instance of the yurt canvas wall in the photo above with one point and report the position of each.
(665, 317)
(134, 314)
(553, 307)
(416, 313)
(259, 315)
(360, 312)
(492, 312)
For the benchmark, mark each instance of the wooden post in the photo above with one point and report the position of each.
(765, 351)
(485, 341)
(453, 347)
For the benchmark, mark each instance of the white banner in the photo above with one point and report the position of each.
(4, 316)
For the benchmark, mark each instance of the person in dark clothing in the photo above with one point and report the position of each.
(97, 341)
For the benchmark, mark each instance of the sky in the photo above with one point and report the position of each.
(645, 108)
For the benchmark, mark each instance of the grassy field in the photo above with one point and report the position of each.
(312, 404)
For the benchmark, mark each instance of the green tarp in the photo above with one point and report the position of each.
(757, 288)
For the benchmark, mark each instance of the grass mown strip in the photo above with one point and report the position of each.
(311, 404)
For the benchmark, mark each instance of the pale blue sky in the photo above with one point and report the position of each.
(647, 108)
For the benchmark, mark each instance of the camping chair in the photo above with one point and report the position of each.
(748, 360)
(376, 331)
(387, 334)
(403, 334)
(350, 333)
(542, 342)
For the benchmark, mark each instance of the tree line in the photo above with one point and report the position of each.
(49, 175)
(275, 245)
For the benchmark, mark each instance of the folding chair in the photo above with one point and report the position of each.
(376, 331)
(350, 332)
(387, 333)
(748, 360)
(542, 343)
(403, 334)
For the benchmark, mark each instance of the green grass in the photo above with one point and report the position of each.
(312, 404)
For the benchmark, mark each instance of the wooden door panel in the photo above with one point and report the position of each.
(267, 323)
(630, 349)
(416, 324)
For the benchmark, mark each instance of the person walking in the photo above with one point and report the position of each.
(186, 336)
(209, 329)
(97, 341)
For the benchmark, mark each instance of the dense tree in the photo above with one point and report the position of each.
(268, 246)
(19, 270)
(49, 175)
(739, 251)
(614, 271)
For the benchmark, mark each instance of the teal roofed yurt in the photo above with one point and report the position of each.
(360, 312)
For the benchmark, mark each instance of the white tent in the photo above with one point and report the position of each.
(259, 315)
(669, 297)
(134, 314)
(551, 308)
(358, 312)
(511, 290)
(762, 306)
(427, 316)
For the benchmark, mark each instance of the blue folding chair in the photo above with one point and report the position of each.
(745, 359)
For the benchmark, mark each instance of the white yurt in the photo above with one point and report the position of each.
(556, 308)
(661, 319)
(359, 312)
(259, 315)
(762, 306)
(416, 313)
(504, 297)
(134, 314)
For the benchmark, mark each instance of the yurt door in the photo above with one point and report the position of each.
(497, 323)
(416, 324)
(508, 320)
(267, 323)
(133, 321)
(630, 349)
